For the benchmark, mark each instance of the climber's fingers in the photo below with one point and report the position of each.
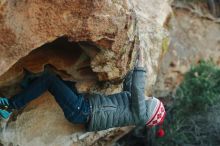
(140, 57)
(141, 54)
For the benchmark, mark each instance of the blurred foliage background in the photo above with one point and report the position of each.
(193, 113)
(193, 117)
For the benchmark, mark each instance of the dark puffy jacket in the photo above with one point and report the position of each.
(121, 109)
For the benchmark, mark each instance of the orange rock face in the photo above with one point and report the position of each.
(87, 41)
(28, 25)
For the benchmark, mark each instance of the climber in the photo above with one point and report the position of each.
(95, 111)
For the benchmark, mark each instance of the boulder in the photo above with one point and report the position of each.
(91, 42)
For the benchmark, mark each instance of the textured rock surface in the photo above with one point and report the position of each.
(114, 29)
(194, 36)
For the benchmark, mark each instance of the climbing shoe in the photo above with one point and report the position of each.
(4, 108)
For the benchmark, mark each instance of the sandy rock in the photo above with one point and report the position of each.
(112, 31)
(194, 36)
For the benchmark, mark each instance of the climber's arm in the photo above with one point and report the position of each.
(138, 106)
(127, 83)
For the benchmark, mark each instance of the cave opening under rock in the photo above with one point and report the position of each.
(69, 59)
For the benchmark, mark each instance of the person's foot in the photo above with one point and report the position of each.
(5, 114)
(4, 104)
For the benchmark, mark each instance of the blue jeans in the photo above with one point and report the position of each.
(75, 107)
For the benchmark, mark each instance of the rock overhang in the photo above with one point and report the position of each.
(116, 28)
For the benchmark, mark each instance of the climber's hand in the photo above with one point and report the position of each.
(141, 59)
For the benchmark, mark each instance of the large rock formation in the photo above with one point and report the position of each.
(84, 41)
(194, 35)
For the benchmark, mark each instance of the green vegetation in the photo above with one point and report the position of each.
(200, 88)
(191, 117)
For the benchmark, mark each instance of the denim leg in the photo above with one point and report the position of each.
(73, 105)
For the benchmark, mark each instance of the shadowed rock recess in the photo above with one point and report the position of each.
(91, 42)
